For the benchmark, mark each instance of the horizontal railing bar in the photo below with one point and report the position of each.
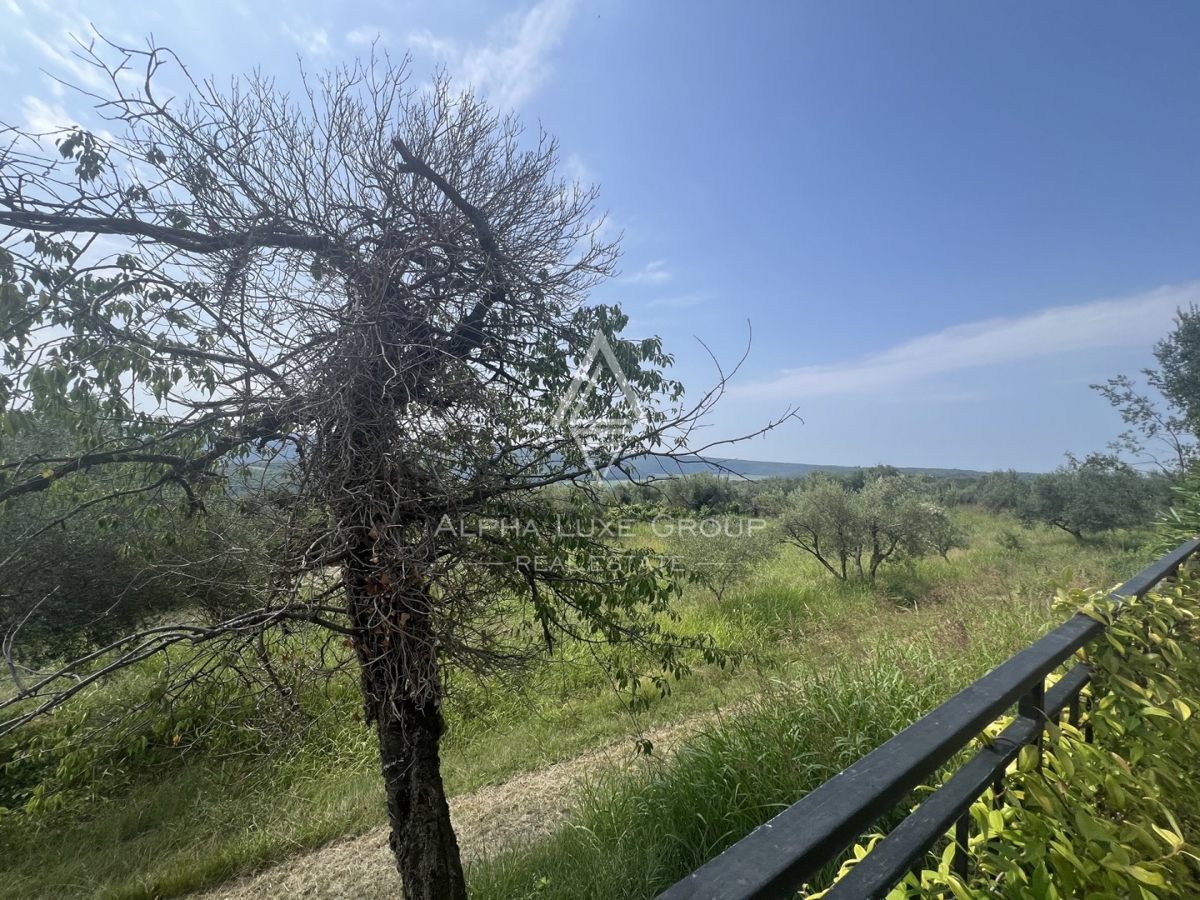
(1067, 687)
(1146, 579)
(894, 856)
(776, 858)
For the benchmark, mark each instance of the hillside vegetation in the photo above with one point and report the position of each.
(218, 780)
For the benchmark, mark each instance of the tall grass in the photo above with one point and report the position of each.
(633, 836)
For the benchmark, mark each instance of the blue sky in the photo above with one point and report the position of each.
(941, 220)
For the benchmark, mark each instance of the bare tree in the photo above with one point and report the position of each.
(382, 290)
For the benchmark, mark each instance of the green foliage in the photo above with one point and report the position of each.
(1179, 356)
(84, 580)
(181, 817)
(701, 493)
(1181, 521)
(1111, 819)
(729, 552)
(1011, 541)
(853, 532)
(91, 748)
(83, 564)
(1003, 492)
(1097, 494)
(1084, 497)
(1164, 438)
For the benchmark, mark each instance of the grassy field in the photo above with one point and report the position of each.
(837, 669)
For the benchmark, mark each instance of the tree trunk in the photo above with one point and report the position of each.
(397, 653)
(1076, 533)
(813, 548)
(422, 838)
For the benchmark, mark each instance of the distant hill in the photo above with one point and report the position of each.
(752, 468)
(280, 465)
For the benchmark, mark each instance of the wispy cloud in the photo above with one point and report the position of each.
(368, 34)
(44, 118)
(1131, 321)
(651, 273)
(310, 40)
(575, 169)
(63, 55)
(513, 63)
(425, 41)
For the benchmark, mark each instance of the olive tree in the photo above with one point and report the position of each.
(719, 552)
(852, 533)
(382, 289)
(823, 520)
(1163, 436)
(1097, 493)
(1003, 492)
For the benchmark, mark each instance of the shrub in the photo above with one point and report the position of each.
(1111, 819)
(1181, 521)
(722, 559)
(85, 580)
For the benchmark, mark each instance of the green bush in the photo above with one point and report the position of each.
(1181, 521)
(719, 553)
(223, 706)
(1117, 818)
(72, 583)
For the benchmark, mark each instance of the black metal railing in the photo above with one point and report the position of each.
(777, 858)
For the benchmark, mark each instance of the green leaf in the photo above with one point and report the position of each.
(1090, 828)
(1174, 841)
(1145, 876)
(1027, 759)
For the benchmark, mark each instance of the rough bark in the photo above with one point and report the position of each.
(397, 655)
(422, 838)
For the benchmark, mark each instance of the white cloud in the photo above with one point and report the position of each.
(576, 169)
(43, 118)
(1132, 321)
(65, 59)
(510, 68)
(310, 40)
(651, 273)
(13, 7)
(426, 41)
(368, 34)
(512, 65)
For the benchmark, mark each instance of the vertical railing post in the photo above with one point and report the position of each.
(1089, 736)
(1033, 706)
(962, 839)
